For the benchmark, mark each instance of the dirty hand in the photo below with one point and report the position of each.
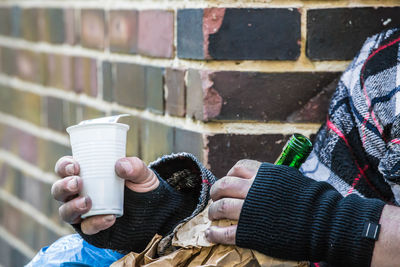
(138, 177)
(228, 194)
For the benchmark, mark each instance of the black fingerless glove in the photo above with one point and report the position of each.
(287, 215)
(145, 214)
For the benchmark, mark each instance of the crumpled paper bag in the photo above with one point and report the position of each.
(195, 250)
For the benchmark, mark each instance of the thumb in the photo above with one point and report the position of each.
(138, 176)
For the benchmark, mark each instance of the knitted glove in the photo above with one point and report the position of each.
(287, 215)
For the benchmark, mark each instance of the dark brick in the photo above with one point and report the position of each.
(156, 33)
(8, 59)
(31, 66)
(55, 113)
(51, 25)
(154, 89)
(60, 72)
(235, 95)
(157, 140)
(130, 85)
(93, 28)
(175, 95)
(15, 21)
(108, 87)
(85, 72)
(123, 30)
(5, 21)
(224, 150)
(239, 33)
(188, 141)
(338, 33)
(71, 37)
(29, 24)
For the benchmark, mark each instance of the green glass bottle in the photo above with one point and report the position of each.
(295, 152)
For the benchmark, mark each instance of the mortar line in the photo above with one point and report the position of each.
(16, 243)
(304, 65)
(22, 165)
(243, 127)
(31, 211)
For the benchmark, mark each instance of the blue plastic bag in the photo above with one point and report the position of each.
(73, 251)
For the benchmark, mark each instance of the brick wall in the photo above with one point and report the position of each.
(223, 80)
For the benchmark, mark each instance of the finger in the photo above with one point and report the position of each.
(95, 224)
(71, 211)
(231, 187)
(225, 208)
(222, 235)
(66, 166)
(64, 189)
(245, 168)
(139, 177)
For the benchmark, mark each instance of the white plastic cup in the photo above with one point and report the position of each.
(97, 147)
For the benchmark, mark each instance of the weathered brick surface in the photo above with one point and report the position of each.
(239, 33)
(30, 66)
(55, 113)
(343, 38)
(29, 24)
(253, 95)
(16, 21)
(60, 72)
(24, 105)
(108, 86)
(189, 141)
(157, 140)
(5, 21)
(8, 59)
(70, 25)
(226, 149)
(175, 92)
(156, 33)
(49, 153)
(123, 30)
(130, 85)
(85, 74)
(154, 89)
(93, 28)
(51, 25)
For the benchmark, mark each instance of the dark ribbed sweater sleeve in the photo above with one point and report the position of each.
(145, 214)
(287, 215)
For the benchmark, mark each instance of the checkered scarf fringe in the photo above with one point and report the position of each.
(357, 150)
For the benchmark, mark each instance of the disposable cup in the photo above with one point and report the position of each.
(96, 147)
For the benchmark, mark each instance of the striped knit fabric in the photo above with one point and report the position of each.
(357, 150)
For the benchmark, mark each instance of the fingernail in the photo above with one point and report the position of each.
(109, 218)
(82, 203)
(70, 169)
(72, 184)
(126, 166)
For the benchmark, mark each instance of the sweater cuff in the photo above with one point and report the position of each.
(287, 215)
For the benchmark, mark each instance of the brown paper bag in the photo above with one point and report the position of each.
(195, 250)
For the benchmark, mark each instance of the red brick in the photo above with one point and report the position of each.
(123, 30)
(93, 33)
(175, 92)
(30, 66)
(85, 71)
(60, 71)
(156, 33)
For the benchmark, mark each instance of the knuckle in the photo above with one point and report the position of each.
(223, 206)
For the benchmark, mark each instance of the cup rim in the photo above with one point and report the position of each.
(122, 125)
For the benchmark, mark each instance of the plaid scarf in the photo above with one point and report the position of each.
(357, 150)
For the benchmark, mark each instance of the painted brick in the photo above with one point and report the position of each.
(51, 25)
(55, 113)
(156, 33)
(130, 85)
(175, 92)
(239, 33)
(93, 28)
(342, 39)
(29, 24)
(16, 21)
(259, 96)
(5, 21)
(188, 141)
(123, 31)
(60, 72)
(157, 140)
(154, 89)
(31, 66)
(85, 73)
(108, 87)
(71, 37)
(8, 61)
(224, 150)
